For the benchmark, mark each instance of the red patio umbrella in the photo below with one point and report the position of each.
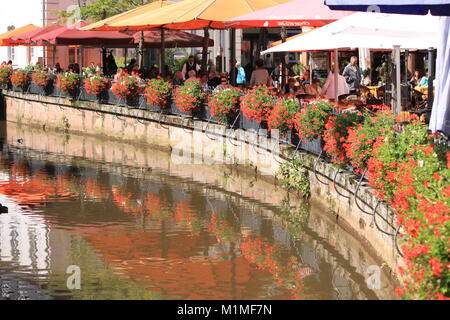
(67, 36)
(27, 36)
(297, 13)
(172, 39)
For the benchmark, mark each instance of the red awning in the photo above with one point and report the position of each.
(297, 13)
(27, 36)
(173, 39)
(67, 36)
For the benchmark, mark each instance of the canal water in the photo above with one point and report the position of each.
(130, 232)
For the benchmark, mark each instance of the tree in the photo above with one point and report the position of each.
(101, 9)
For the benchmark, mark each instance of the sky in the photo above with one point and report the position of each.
(19, 13)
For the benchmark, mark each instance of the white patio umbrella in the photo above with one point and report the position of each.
(440, 114)
(370, 30)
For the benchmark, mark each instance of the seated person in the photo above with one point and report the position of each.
(314, 88)
(203, 77)
(192, 74)
(415, 80)
(120, 74)
(424, 80)
(214, 80)
(290, 87)
(223, 84)
(178, 79)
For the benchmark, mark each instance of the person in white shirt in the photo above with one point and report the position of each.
(328, 87)
(260, 76)
(188, 66)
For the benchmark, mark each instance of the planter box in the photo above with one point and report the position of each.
(315, 146)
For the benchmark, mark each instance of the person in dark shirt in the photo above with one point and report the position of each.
(214, 80)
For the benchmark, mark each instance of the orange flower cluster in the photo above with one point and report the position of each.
(68, 81)
(20, 78)
(5, 74)
(283, 115)
(225, 104)
(40, 78)
(413, 174)
(336, 133)
(189, 96)
(126, 87)
(95, 84)
(158, 92)
(258, 103)
(310, 121)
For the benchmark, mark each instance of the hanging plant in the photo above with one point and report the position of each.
(190, 96)
(20, 79)
(158, 92)
(127, 87)
(283, 115)
(68, 82)
(95, 84)
(5, 74)
(361, 138)
(224, 104)
(41, 78)
(336, 133)
(258, 103)
(310, 121)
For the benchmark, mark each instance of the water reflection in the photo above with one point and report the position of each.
(155, 238)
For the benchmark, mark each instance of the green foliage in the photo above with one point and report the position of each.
(121, 63)
(295, 177)
(298, 69)
(100, 9)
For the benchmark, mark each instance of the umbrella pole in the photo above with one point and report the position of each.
(54, 55)
(163, 50)
(283, 61)
(141, 49)
(431, 75)
(205, 48)
(80, 58)
(233, 57)
(398, 93)
(336, 75)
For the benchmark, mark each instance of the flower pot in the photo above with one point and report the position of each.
(132, 101)
(71, 93)
(199, 112)
(102, 97)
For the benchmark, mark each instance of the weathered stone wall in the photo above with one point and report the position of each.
(194, 144)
